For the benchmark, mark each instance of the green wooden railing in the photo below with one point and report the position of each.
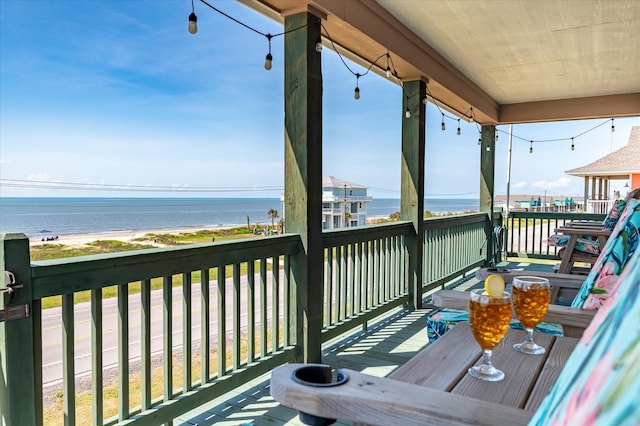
(239, 294)
(527, 232)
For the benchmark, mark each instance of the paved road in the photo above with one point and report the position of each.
(52, 327)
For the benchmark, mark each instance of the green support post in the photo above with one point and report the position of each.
(18, 396)
(487, 180)
(303, 177)
(412, 182)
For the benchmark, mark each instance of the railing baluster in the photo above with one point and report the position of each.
(187, 375)
(68, 362)
(123, 352)
(352, 279)
(236, 317)
(251, 311)
(288, 320)
(263, 307)
(339, 284)
(222, 322)
(328, 287)
(205, 327)
(275, 302)
(167, 341)
(97, 396)
(145, 344)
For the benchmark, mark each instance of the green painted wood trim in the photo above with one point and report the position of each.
(89, 272)
(68, 361)
(187, 333)
(123, 351)
(263, 308)
(205, 327)
(222, 322)
(412, 175)
(487, 178)
(167, 338)
(275, 303)
(303, 175)
(145, 344)
(237, 342)
(288, 315)
(18, 398)
(251, 311)
(97, 397)
(338, 329)
(165, 411)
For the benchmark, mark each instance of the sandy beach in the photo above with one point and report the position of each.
(76, 240)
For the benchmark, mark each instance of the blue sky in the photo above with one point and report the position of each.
(119, 93)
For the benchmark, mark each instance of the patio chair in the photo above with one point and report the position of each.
(591, 294)
(582, 241)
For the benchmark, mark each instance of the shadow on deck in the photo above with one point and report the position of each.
(383, 347)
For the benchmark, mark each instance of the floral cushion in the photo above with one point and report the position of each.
(600, 383)
(604, 275)
(584, 244)
(597, 287)
(614, 214)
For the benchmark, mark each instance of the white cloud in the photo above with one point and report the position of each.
(519, 185)
(562, 182)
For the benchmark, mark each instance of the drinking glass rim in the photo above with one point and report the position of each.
(531, 279)
(479, 292)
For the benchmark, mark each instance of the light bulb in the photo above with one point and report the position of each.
(458, 131)
(356, 93)
(268, 61)
(497, 136)
(488, 148)
(319, 47)
(572, 145)
(407, 113)
(388, 72)
(443, 127)
(479, 141)
(613, 128)
(193, 23)
(530, 150)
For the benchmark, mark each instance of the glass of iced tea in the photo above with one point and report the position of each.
(489, 318)
(530, 301)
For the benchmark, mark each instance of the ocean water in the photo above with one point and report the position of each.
(73, 216)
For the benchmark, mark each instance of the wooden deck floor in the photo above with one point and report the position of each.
(379, 350)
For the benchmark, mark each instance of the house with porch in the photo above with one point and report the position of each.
(621, 164)
(344, 204)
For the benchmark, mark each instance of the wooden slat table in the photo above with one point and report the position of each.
(443, 366)
(434, 387)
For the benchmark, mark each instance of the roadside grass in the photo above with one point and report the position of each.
(58, 251)
(54, 414)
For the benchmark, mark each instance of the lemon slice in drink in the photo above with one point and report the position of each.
(494, 285)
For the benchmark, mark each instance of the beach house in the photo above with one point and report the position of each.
(344, 204)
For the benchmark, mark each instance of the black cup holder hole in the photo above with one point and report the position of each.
(319, 375)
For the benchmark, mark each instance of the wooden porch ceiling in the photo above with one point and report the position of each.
(513, 61)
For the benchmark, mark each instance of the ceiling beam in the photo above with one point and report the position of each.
(610, 106)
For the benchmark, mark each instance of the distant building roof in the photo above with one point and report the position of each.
(623, 161)
(334, 182)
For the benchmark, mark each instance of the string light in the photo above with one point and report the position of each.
(488, 147)
(269, 59)
(193, 20)
(390, 71)
(479, 138)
